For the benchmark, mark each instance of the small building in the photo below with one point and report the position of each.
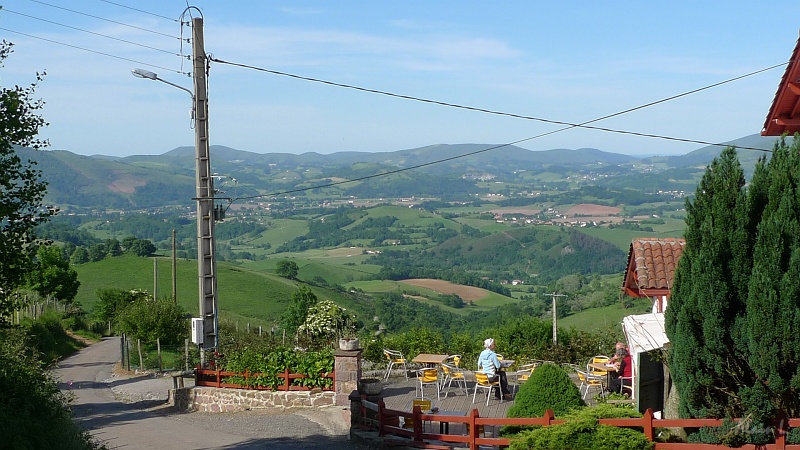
(651, 269)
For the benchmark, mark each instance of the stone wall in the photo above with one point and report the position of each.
(209, 399)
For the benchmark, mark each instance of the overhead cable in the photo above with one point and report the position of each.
(567, 125)
(109, 20)
(92, 32)
(95, 51)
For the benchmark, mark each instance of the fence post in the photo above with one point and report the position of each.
(473, 429)
(158, 350)
(286, 379)
(415, 413)
(548, 416)
(647, 423)
(186, 354)
(127, 352)
(780, 431)
(141, 360)
(122, 350)
(381, 417)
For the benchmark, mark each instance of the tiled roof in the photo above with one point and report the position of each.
(784, 114)
(651, 264)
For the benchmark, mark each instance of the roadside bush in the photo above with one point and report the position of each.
(33, 411)
(48, 337)
(269, 364)
(581, 430)
(549, 387)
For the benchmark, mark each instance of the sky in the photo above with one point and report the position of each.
(567, 62)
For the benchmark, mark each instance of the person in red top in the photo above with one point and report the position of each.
(624, 372)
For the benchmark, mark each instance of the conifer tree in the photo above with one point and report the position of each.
(734, 314)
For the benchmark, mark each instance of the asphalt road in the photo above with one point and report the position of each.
(131, 413)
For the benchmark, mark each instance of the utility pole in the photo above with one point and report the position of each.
(174, 270)
(555, 328)
(206, 259)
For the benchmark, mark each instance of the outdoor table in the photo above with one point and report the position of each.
(444, 425)
(429, 359)
(604, 367)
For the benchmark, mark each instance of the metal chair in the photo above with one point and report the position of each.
(395, 359)
(589, 381)
(424, 404)
(428, 377)
(482, 382)
(523, 372)
(453, 373)
(599, 359)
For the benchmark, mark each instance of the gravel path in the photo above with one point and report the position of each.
(131, 413)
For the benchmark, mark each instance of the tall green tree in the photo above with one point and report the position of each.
(22, 190)
(297, 310)
(735, 307)
(287, 269)
(52, 276)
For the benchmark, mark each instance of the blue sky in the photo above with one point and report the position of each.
(568, 62)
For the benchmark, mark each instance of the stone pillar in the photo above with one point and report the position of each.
(347, 365)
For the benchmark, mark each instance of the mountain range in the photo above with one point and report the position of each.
(150, 181)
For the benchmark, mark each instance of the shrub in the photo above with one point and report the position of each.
(549, 387)
(581, 430)
(33, 410)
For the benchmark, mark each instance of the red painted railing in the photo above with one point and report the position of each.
(389, 427)
(214, 378)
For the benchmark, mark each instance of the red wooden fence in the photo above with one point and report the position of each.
(389, 425)
(213, 378)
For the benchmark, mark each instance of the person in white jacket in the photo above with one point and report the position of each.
(490, 364)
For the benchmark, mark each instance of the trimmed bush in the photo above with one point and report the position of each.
(581, 431)
(549, 387)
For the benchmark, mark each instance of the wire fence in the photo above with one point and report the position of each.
(137, 355)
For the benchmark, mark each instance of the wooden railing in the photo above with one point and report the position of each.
(214, 378)
(390, 428)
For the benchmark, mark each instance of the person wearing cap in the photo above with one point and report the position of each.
(490, 364)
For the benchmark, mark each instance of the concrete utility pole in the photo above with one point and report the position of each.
(555, 328)
(206, 259)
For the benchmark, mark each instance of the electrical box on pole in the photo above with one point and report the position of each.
(197, 330)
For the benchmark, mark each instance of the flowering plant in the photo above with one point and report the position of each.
(327, 320)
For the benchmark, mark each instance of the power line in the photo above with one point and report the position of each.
(109, 20)
(92, 32)
(137, 10)
(567, 125)
(94, 51)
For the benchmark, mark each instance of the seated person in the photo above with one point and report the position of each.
(623, 373)
(489, 364)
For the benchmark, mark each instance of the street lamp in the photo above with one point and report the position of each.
(141, 73)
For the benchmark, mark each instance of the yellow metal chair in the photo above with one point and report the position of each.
(524, 372)
(395, 358)
(424, 404)
(453, 373)
(589, 381)
(599, 359)
(482, 382)
(428, 377)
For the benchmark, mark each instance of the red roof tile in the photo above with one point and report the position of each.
(651, 266)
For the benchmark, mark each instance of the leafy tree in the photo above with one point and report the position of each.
(21, 189)
(112, 301)
(141, 247)
(148, 319)
(52, 276)
(297, 310)
(287, 269)
(79, 256)
(735, 308)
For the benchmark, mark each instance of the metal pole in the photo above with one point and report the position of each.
(206, 262)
